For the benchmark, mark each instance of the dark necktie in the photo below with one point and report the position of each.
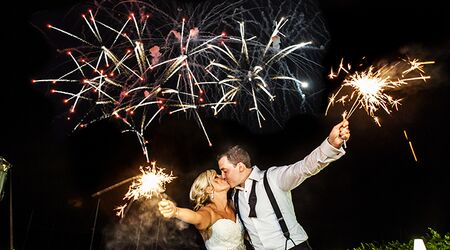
(252, 201)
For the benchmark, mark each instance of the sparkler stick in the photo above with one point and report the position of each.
(343, 118)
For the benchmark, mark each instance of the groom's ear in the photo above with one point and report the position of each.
(241, 166)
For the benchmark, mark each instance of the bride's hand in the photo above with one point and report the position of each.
(167, 208)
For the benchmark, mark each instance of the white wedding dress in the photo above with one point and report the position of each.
(226, 235)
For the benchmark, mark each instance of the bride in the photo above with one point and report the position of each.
(213, 214)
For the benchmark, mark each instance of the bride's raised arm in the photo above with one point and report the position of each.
(201, 219)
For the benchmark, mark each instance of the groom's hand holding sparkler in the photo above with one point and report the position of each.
(339, 134)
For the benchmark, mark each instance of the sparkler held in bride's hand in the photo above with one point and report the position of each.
(152, 182)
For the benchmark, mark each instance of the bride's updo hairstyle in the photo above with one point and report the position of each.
(198, 194)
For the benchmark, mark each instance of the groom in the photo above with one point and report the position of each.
(264, 203)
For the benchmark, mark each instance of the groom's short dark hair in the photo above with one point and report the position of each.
(236, 154)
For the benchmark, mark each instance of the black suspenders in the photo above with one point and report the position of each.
(275, 207)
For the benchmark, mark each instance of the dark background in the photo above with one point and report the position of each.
(376, 192)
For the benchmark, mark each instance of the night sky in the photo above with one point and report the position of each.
(376, 192)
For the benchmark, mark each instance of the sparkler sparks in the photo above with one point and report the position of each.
(151, 183)
(410, 146)
(370, 87)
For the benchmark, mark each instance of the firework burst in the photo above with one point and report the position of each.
(139, 61)
(255, 72)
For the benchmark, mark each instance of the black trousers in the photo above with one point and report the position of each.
(302, 246)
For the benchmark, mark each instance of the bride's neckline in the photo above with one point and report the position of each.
(220, 213)
(234, 222)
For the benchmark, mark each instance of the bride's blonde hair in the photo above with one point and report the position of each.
(198, 194)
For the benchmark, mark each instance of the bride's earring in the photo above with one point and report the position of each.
(212, 195)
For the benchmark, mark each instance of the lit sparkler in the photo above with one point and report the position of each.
(370, 88)
(151, 183)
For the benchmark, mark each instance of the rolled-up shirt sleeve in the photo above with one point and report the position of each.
(290, 176)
